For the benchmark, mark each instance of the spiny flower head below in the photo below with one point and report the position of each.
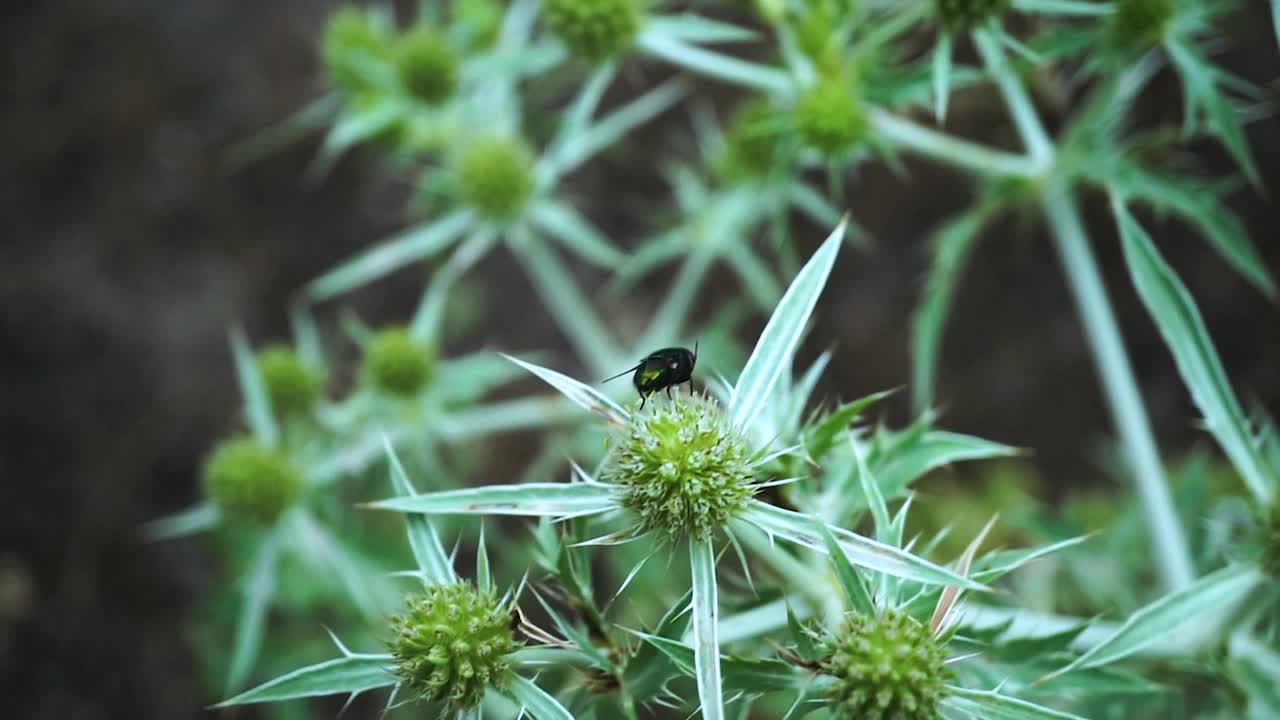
(886, 667)
(686, 472)
(451, 643)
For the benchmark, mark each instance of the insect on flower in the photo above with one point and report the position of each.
(661, 369)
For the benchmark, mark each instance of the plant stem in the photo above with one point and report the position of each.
(1118, 382)
(949, 149)
(1168, 541)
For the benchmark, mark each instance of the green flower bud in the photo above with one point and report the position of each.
(962, 14)
(1139, 24)
(427, 66)
(351, 40)
(292, 386)
(451, 643)
(495, 176)
(829, 118)
(751, 142)
(684, 469)
(397, 364)
(248, 481)
(593, 29)
(887, 666)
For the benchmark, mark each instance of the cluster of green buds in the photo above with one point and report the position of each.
(292, 386)
(1139, 24)
(249, 481)
(830, 117)
(886, 667)
(685, 470)
(396, 364)
(495, 176)
(426, 65)
(593, 29)
(451, 643)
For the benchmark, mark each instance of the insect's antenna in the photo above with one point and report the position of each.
(624, 372)
(695, 351)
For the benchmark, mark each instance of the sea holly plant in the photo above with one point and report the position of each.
(452, 646)
(684, 472)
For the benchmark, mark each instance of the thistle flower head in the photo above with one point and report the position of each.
(427, 66)
(397, 364)
(451, 642)
(829, 117)
(750, 142)
(593, 29)
(292, 385)
(495, 176)
(1140, 23)
(962, 14)
(684, 469)
(350, 40)
(886, 667)
(247, 480)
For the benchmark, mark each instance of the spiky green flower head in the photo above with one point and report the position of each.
(397, 364)
(964, 14)
(593, 29)
(886, 667)
(830, 118)
(751, 142)
(495, 176)
(1139, 24)
(291, 384)
(351, 40)
(427, 66)
(451, 643)
(249, 481)
(1271, 543)
(685, 471)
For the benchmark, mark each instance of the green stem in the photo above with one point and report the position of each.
(1168, 540)
(949, 149)
(1120, 386)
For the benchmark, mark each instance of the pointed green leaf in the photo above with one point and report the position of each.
(608, 130)
(584, 395)
(820, 438)
(991, 705)
(1200, 81)
(259, 587)
(855, 587)
(706, 638)
(751, 75)
(861, 551)
(951, 247)
(1209, 597)
(535, 700)
(197, 518)
(741, 674)
(561, 221)
(423, 540)
(413, 245)
(351, 674)
(941, 76)
(1176, 315)
(692, 28)
(529, 499)
(257, 404)
(778, 341)
(903, 458)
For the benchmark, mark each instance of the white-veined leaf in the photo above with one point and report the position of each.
(257, 404)
(535, 700)
(584, 395)
(352, 674)
(991, 705)
(529, 499)
(423, 539)
(706, 640)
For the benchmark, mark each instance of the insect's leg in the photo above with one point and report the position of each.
(643, 399)
(668, 392)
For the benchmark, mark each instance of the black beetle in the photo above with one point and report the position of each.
(662, 369)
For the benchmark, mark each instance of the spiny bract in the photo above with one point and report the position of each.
(961, 14)
(886, 667)
(593, 29)
(247, 480)
(427, 66)
(1140, 23)
(291, 384)
(684, 469)
(495, 176)
(829, 117)
(452, 642)
(397, 364)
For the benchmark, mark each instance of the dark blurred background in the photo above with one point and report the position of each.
(128, 249)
